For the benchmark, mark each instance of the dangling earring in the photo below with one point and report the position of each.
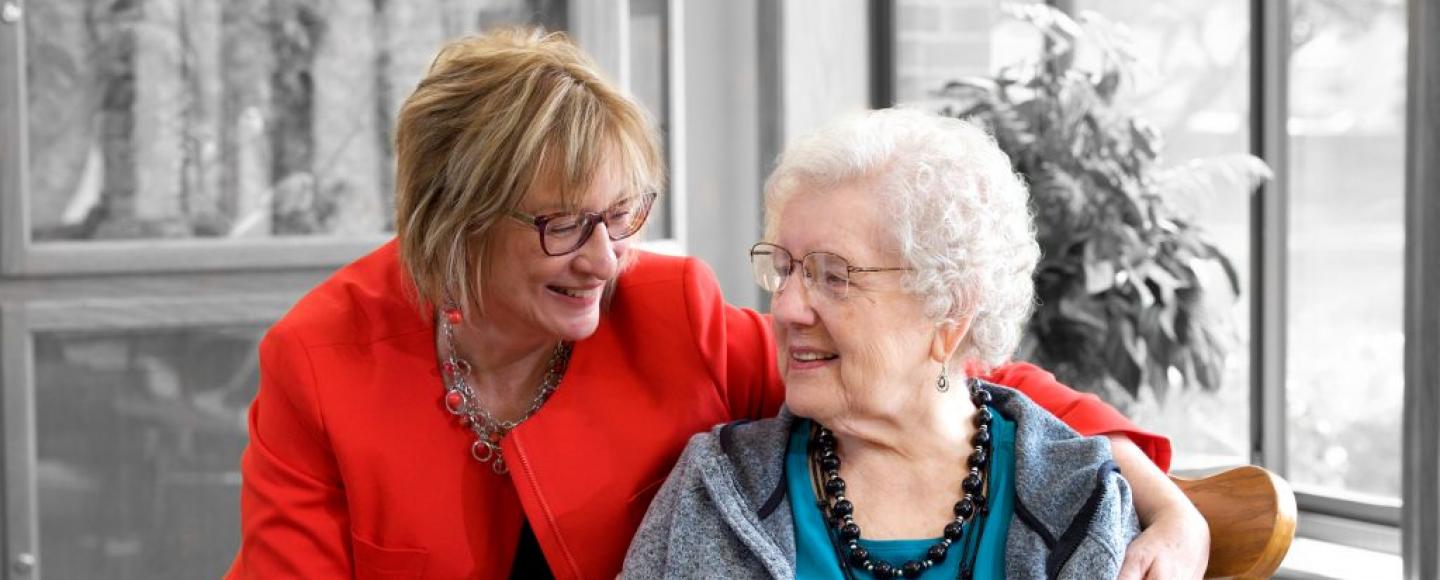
(942, 384)
(452, 313)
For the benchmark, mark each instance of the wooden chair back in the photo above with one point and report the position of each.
(1251, 513)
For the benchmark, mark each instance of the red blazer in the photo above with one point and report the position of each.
(354, 467)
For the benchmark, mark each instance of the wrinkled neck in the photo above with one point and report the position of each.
(935, 428)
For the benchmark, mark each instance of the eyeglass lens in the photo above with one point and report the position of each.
(772, 266)
(566, 232)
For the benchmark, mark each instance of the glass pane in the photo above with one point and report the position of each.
(138, 437)
(1191, 81)
(1345, 359)
(215, 119)
(650, 84)
(937, 41)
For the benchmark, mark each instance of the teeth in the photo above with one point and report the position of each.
(811, 356)
(573, 293)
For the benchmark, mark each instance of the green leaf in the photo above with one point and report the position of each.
(1120, 358)
(1193, 186)
(1083, 311)
(1099, 272)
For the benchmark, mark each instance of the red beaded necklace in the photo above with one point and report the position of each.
(460, 399)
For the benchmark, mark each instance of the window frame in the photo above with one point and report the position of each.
(13, 165)
(1420, 488)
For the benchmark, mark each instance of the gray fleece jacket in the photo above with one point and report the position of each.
(723, 512)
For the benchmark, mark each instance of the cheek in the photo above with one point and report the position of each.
(866, 365)
(518, 282)
(862, 354)
(512, 259)
(546, 270)
(882, 350)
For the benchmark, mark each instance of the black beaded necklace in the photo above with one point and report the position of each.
(840, 512)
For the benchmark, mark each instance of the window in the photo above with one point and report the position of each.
(125, 418)
(198, 134)
(938, 41)
(197, 119)
(1332, 224)
(650, 84)
(1345, 357)
(148, 488)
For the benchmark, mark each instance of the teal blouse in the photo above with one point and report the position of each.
(817, 557)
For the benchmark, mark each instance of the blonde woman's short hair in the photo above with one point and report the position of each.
(493, 115)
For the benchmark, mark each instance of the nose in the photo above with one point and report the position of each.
(598, 257)
(791, 305)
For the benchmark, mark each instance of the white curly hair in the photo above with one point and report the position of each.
(960, 215)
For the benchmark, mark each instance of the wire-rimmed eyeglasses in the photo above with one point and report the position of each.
(827, 272)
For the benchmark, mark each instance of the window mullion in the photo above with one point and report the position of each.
(1420, 520)
(14, 215)
(1269, 111)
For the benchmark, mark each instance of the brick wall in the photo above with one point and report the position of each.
(941, 40)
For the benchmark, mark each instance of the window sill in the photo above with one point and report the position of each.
(1311, 559)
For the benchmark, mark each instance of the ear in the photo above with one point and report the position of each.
(948, 336)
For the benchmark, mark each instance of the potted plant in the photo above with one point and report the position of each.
(1131, 292)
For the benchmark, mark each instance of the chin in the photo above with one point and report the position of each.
(577, 330)
(807, 401)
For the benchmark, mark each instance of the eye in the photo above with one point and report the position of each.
(618, 216)
(565, 226)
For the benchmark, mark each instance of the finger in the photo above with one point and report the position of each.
(1161, 569)
(1136, 564)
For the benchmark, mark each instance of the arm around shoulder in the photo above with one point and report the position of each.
(738, 344)
(293, 517)
(1176, 538)
(1083, 412)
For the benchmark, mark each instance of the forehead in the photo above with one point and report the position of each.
(549, 194)
(845, 219)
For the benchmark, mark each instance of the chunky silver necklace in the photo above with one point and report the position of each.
(461, 400)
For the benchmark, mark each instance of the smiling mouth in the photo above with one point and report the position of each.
(574, 292)
(813, 356)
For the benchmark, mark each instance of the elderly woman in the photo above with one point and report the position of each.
(501, 390)
(900, 252)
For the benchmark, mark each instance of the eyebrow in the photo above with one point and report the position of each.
(825, 251)
(554, 209)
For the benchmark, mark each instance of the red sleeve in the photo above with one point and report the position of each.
(737, 344)
(1083, 412)
(293, 519)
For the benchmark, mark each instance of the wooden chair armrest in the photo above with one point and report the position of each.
(1251, 513)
